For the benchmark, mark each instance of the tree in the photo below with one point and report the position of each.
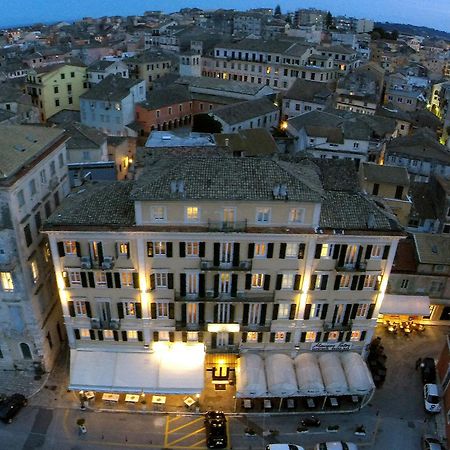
(277, 12)
(204, 123)
(394, 35)
(328, 20)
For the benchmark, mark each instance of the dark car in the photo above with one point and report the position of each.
(428, 371)
(311, 421)
(11, 406)
(216, 429)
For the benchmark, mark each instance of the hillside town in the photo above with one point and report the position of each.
(242, 211)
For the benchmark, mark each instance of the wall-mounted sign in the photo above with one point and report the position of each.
(331, 347)
(223, 327)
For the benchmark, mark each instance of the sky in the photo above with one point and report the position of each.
(431, 13)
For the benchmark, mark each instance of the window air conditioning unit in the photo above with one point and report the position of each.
(107, 262)
(86, 262)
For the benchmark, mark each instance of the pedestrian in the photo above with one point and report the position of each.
(418, 363)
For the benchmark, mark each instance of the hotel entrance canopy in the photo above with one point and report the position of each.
(174, 368)
(409, 305)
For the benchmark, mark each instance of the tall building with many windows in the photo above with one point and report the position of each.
(33, 181)
(239, 254)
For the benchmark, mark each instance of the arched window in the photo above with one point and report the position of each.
(26, 352)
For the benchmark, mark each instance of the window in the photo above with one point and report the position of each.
(100, 279)
(262, 215)
(57, 102)
(345, 282)
(28, 236)
(355, 144)
(32, 187)
(126, 279)
(404, 284)
(20, 198)
(291, 250)
(61, 160)
(34, 271)
(316, 310)
(252, 336)
(333, 336)
(132, 335)
(436, 286)
(192, 249)
(280, 336)
(162, 310)
(161, 279)
(129, 309)
(70, 248)
(327, 251)
(158, 213)
(43, 176)
(123, 248)
(63, 76)
(288, 281)
(72, 74)
(355, 336)
(192, 214)
(192, 313)
(223, 312)
(6, 281)
(191, 283)
(254, 313)
(84, 333)
(310, 336)
(369, 281)
(55, 89)
(362, 311)
(350, 256)
(224, 285)
(75, 279)
(296, 215)
(192, 336)
(260, 250)
(284, 310)
(163, 336)
(159, 248)
(80, 307)
(376, 251)
(257, 280)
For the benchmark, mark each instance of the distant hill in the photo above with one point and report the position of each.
(415, 30)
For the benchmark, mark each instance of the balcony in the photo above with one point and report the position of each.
(356, 267)
(224, 349)
(184, 326)
(112, 324)
(244, 266)
(227, 227)
(330, 326)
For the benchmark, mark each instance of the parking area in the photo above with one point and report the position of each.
(185, 432)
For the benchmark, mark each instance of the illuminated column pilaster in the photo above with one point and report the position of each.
(143, 287)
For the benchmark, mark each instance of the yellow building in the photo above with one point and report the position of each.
(57, 87)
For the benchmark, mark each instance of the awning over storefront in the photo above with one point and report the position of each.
(250, 376)
(169, 369)
(357, 373)
(411, 305)
(281, 380)
(333, 374)
(309, 378)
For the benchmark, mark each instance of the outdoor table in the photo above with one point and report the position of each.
(89, 395)
(132, 398)
(110, 397)
(189, 402)
(355, 399)
(310, 403)
(247, 403)
(267, 404)
(333, 401)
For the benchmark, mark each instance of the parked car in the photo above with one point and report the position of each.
(311, 421)
(216, 429)
(284, 447)
(428, 370)
(11, 406)
(431, 398)
(431, 443)
(336, 446)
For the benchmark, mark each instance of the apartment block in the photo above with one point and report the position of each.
(57, 87)
(33, 182)
(238, 254)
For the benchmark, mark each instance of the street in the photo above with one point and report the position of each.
(394, 419)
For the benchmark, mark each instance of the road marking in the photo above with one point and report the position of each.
(183, 438)
(203, 441)
(175, 418)
(166, 432)
(185, 425)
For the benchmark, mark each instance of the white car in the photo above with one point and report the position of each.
(431, 398)
(284, 447)
(336, 446)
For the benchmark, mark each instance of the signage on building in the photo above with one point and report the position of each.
(331, 347)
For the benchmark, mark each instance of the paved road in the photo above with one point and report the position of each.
(394, 420)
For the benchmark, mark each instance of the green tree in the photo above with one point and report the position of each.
(204, 123)
(328, 20)
(277, 12)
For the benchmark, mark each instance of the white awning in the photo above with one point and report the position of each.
(281, 380)
(309, 378)
(412, 305)
(357, 373)
(250, 376)
(333, 374)
(170, 369)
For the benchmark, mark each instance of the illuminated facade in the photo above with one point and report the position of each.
(236, 253)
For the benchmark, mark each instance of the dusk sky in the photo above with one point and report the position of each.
(432, 13)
